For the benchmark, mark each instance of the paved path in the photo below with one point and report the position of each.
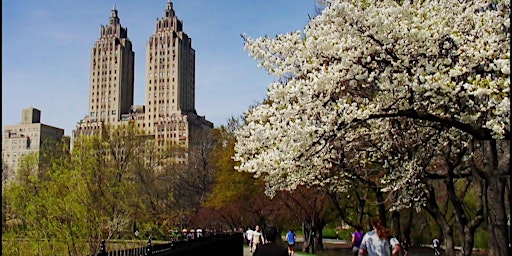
(247, 252)
(336, 247)
(328, 244)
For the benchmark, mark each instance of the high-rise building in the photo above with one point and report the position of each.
(169, 112)
(170, 68)
(170, 82)
(29, 136)
(111, 88)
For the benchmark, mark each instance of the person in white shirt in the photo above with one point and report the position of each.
(248, 236)
(379, 241)
(437, 246)
(257, 238)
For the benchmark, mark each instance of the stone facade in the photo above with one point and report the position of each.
(169, 113)
(25, 138)
(111, 88)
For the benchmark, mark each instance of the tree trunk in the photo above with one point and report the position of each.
(468, 243)
(496, 211)
(319, 244)
(312, 237)
(510, 206)
(433, 209)
(407, 229)
(307, 246)
(395, 225)
(498, 230)
(360, 210)
(505, 165)
(466, 226)
(362, 196)
(381, 205)
(446, 229)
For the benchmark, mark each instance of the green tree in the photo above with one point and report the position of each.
(46, 209)
(236, 198)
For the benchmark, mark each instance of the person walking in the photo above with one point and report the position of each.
(271, 248)
(379, 241)
(290, 237)
(405, 247)
(357, 238)
(248, 236)
(437, 246)
(257, 238)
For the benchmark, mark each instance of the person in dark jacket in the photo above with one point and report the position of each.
(271, 248)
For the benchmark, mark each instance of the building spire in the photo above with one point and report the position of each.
(169, 5)
(114, 19)
(169, 12)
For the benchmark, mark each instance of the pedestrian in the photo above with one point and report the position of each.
(184, 234)
(290, 237)
(357, 238)
(257, 238)
(405, 247)
(379, 241)
(437, 246)
(271, 248)
(248, 236)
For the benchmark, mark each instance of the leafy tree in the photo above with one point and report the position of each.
(359, 64)
(196, 180)
(77, 200)
(236, 198)
(311, 206)
(154, 173)
(46, 207)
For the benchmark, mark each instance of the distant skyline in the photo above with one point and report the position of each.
(46, 52)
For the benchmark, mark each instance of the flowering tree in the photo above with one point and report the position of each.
(358, 65)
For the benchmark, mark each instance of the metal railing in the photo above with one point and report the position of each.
(220, 244)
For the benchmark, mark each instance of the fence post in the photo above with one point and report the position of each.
(103, 248)
(149, 250)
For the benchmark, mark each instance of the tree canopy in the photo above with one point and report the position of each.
(358, 72)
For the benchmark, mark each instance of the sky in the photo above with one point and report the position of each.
(46, 52)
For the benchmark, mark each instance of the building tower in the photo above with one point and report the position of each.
(170, 82)
(170, 68)
(169, 114)
(111, 86)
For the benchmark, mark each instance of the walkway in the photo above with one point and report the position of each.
(329, 244)
(247, 252)
(339, 248)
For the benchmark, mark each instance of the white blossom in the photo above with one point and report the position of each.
(358, 59)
